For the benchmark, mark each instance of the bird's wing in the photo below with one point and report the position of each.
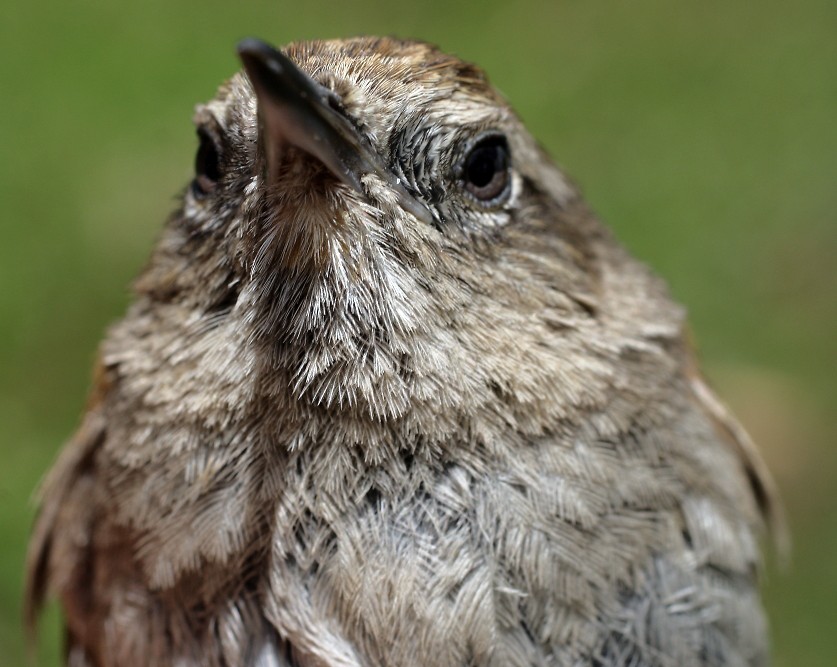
(58, 555)
(733, 433)
(62, 527)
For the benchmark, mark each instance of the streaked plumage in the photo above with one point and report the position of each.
(328, 432)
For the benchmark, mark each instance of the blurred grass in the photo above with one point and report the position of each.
(704, 133)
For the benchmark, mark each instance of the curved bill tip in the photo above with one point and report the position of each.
(257, 56)
(252, 45)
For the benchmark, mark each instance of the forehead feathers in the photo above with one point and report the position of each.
(379, 81)
(390, 69)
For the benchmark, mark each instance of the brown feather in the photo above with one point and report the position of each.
(328, 432)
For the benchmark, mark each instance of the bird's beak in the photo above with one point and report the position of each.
(294, 109)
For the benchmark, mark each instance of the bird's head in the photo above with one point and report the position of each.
(385, 228)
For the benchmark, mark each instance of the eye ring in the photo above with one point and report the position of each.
(485, 171)
(207, 165)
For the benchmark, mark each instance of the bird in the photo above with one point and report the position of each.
(389, 393)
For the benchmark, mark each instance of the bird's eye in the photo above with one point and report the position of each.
(207, 166)
(485, 171)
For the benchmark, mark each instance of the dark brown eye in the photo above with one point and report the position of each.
(485, 171)
(207, 166)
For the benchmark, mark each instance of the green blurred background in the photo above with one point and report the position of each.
(704, 133)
